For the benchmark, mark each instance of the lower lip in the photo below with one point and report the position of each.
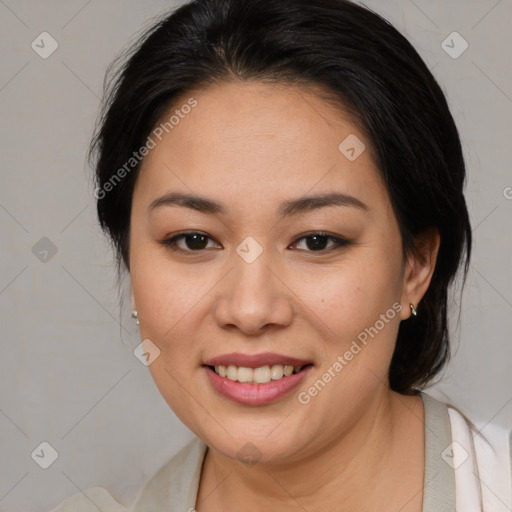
(255, 394)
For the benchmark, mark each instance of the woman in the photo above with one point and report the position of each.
(283, 181)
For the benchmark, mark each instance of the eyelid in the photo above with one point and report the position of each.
(171, 241)
(338, 241)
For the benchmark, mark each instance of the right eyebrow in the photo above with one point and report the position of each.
(286, 209)
(201, 204)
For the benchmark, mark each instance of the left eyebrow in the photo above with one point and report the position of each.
(286, 209)
(308, 203)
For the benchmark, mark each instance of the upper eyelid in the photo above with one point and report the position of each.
(179, 236)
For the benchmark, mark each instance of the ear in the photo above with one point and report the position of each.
(418, 270)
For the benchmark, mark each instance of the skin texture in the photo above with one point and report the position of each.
(356, 445)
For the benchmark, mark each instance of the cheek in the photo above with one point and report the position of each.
(160, 299)
(169, 306)
(357, 308)
(357, 313)
(164, 291)
(353, 295)
(167, 301)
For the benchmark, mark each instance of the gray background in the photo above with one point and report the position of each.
(67, 370)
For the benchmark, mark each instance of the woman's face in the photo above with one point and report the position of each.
(264, 169)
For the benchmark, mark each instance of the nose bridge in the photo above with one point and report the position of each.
(253, 262)
(254, 276)
(253, 296)
(253, 281)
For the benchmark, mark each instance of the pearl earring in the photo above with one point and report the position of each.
(414, 311)
(135, 315)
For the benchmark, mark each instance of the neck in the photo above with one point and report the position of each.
(354, 471)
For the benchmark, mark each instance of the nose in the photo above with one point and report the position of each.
(254, 298)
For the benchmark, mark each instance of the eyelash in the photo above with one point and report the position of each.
(170, 243)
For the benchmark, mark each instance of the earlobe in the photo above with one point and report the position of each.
(419, 269)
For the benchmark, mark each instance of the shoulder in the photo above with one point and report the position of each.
(172, 487)
(90, 500)
(484, 456)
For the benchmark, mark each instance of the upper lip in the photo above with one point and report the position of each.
(255, 360)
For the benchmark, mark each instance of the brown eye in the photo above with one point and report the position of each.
(191, 242)
(318, 242)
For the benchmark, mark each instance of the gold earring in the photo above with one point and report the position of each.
(414, 311)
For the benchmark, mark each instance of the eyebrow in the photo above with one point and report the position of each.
(286, 209)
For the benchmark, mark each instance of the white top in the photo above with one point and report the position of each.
(463, 472)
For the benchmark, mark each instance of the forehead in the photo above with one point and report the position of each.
(267, 139)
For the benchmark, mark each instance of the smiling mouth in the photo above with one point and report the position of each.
(260, 375)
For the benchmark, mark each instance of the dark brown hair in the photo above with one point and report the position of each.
(342, 48)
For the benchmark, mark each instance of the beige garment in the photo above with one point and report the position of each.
(173, 488)
(155, 496)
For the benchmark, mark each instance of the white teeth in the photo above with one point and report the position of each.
(245, 374)
(288, 370)
(232, 373)
(276, 372)
(261, 375)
